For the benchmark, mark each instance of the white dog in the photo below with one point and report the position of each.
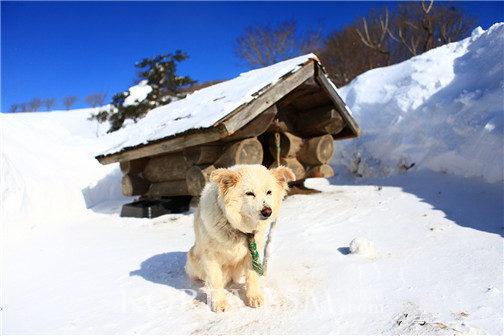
(238, 203)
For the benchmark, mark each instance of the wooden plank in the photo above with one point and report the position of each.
(241, 116)
(328, 87)
(168, 145)
(257, 126)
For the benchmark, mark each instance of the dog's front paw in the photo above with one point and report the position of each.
(219, 305)
(254, 300)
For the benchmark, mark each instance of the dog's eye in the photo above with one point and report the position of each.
(268, 192)
(250, 193)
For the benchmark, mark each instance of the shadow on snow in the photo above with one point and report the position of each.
(468, 202)
(168, 269)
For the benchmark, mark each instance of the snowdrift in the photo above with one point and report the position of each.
(442, 110)
(47, 165)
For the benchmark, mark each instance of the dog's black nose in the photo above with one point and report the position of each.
(266, 212)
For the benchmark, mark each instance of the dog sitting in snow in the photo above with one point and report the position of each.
(238, 203)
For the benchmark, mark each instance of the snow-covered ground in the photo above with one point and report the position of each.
(71, 265)
(439, 255)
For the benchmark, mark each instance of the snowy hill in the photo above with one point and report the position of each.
(71, 265)
(47, 164)
(442, 110)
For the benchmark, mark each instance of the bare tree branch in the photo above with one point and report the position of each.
(69, 101)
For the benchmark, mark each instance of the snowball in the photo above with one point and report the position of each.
(363, 247)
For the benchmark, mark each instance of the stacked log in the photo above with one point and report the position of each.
(248, 151)
(323, 170)
(168, 188)
(186, 172)
(133, 182)
(317, 151)
(167, 167)
(205, 154)
(307, 158)
(292, 163)
(133, 185)
(289, 145)
(197, 177)
(320, 121)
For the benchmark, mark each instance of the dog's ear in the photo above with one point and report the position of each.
(225, 178)
(283, 174)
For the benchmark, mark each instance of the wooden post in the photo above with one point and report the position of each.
(168, 188)
(292, 163)
(204, 154)
(248, 151)
(324, 171)
(168, 167)
(289, 145)
(317, 151)
(134, 185)
(197, 177)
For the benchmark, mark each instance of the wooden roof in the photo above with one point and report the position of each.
(305, 86)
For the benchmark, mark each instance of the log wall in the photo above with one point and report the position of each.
(187, 172)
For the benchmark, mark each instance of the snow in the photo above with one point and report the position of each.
(98, 273)
(363, 247)
(442, 110)
(71, 265)
(137, 93)
(204, 107)
(47, 168)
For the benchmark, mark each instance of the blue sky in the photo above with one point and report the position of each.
(55, 49)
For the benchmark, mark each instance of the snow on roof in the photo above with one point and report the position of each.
(203, 108)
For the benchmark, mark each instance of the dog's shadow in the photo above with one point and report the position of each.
(168, 269)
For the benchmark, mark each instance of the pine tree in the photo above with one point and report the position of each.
(160, 73)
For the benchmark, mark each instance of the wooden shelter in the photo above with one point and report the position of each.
(292, 119)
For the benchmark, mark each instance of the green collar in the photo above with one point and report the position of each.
(256, 264)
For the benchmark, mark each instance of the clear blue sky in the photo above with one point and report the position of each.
(55, 49)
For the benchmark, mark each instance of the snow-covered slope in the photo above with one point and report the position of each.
(47, 165)
(442, 110)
